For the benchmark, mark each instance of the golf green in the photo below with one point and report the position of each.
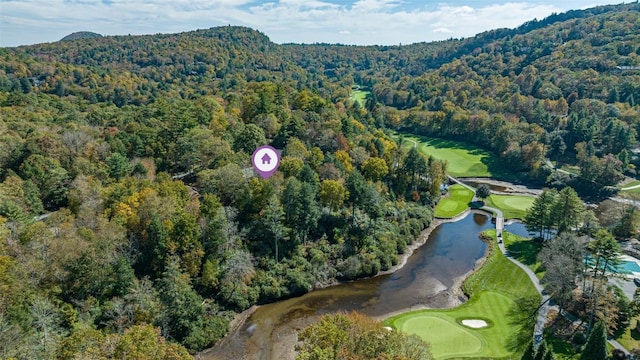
(450, 339)
(455, 203)
(360, 96)
(512, 206)
(445, 335)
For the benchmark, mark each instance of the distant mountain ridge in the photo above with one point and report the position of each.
(81, 35)
(579, 40)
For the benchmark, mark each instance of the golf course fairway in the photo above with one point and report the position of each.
(463, 160)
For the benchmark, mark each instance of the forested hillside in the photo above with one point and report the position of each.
(130, 210)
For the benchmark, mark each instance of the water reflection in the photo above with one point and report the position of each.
(518, 228)
(430, 278)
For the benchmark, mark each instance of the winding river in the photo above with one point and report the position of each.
(431, 278)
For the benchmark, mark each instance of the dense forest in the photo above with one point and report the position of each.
(130, 212)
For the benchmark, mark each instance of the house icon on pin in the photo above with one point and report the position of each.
(266, 159)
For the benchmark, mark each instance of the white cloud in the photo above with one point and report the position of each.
(374, 5)
(359, 22)
(443, 30)
(460, 10)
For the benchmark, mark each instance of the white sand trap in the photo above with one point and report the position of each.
(476, 324)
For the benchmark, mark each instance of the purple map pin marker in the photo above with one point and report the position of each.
(265, 161)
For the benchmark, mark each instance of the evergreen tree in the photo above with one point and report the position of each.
(358, 189)
(606, 250)
(541, 351)
(272, 221)
(529, 353)
(596, 347)
(567, 210)
(538, 216)
(118, 166)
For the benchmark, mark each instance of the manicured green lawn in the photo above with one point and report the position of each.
(360, 96)
(634, 191)
(455, 203)
(561, 349)
(494, 290)
(630, 338)
(464, 160)
(570, 168)
(524, 250)
(633, 183)
(512, 206)
(450, 339)
(500, 275)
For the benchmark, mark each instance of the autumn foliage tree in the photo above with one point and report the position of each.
(355, 336)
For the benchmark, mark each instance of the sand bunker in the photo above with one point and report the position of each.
(476, 324)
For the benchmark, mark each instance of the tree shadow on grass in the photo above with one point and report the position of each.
(446, 143)
(525, 251)
(496, 167)
(523, 315)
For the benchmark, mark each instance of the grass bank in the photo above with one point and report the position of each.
(456, 202)
(495, 291)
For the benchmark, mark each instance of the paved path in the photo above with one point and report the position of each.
(543, 310)
(630, 187)
(550, 164)
(545, 305)
(415, 143)
(618, 346)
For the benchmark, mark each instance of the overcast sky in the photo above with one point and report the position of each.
(365, 22)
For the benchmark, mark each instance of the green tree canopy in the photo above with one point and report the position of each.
(483, 191)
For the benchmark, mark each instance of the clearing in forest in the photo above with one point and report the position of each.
(464, 160)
